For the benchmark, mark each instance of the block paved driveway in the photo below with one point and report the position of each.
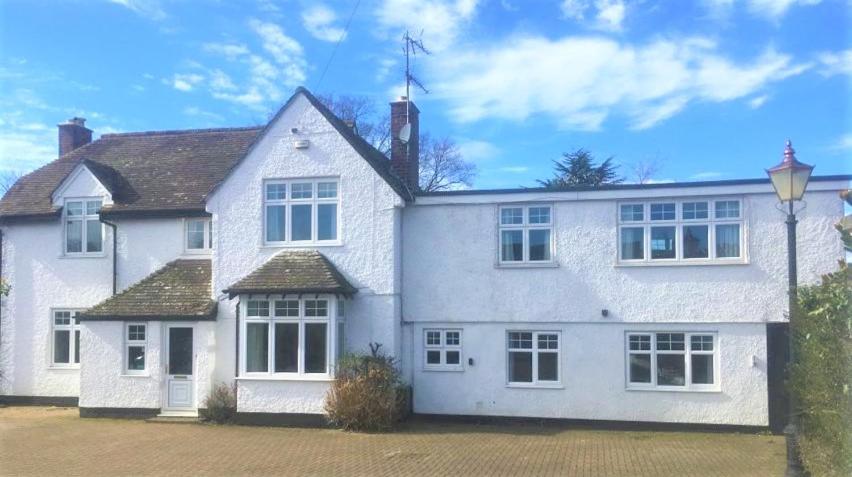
(54, 441)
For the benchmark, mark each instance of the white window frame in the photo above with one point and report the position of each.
(536, 351)
(128, 343)
(525, 227)
(711, 222)
(83, 219)
(208, 236)
(330, 320)
(73, 327)
(687, 353)
(442, 347)
(288, 204)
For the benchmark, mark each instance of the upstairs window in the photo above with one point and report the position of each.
(525, 234)
(199, 235)
(300, 211)
(682, 231)
(66, 338)
(83, 229)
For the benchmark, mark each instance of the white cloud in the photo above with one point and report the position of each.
(198, 112)
(836, 63)
(843, 143)
(606, 15)
(319, 21)
(228, 50)
(703, 176)
(185, 81)
(581, 81)
(515, 169)
(149, 9)
(384, 68)
(284, 49)
(772, 10)
(758, 101)
(440, 21)
(474, 150)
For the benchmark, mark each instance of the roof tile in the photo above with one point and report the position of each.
(294, 271)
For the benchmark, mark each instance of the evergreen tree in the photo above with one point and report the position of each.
(578, 168)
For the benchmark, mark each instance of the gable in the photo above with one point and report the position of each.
(81, 182)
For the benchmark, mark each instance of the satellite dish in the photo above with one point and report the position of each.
(405, 133)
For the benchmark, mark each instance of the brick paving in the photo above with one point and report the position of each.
(55, 441)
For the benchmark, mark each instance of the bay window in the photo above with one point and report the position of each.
(300, 211)
(533, 358)
(289, 336)
(672, 361)
(682, 231)
(83, 228)
(65, 342)
(525, 234)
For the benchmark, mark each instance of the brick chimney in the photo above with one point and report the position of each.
(73, 134)
(405, 158)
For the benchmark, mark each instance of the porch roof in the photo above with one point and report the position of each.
(180, 291)
(294, 272)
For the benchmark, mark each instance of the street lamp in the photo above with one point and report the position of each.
(790, 179)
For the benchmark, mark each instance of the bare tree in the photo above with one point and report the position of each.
(442, 166)
(360, 111)
(7, 180)
(645, 169)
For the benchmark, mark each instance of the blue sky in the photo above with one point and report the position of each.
(707, 90)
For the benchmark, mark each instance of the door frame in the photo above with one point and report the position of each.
(165, 360)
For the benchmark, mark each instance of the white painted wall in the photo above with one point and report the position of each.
(368, 231)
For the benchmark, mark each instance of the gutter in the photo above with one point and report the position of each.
(114, 253)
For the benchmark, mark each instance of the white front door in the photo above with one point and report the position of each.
(179, 368)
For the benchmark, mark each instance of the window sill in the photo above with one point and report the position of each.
(125, 375)
(711, 263)
(451, 369)
(534, 386)
(82, 255)
(323, 378)
(302, 245)
(674, 389)
(552, 264)
(204, 252)
(64, 368)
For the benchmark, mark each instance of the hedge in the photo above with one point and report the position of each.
(822, 375)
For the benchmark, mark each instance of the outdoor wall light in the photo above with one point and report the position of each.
(604, 313)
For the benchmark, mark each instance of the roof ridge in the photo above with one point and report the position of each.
(172, 132)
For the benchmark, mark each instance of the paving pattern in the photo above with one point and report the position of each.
(55, 441)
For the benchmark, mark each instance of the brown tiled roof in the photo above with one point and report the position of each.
(163, 171)
(180, 290)
(294, 272)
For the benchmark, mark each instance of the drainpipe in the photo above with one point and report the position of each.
(114, 253)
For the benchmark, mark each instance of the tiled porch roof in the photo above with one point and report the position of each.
(294, 272)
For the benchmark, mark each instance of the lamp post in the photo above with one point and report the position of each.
(790, 178)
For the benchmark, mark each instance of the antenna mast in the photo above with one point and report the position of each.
(411, 48)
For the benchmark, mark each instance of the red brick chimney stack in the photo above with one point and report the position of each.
(73, 134)
(405, 158)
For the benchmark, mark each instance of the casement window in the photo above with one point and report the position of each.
(533, 357)
(340, 339)
(300, 211)
(672, 361)
(683, 231)
(442, 350)
(135, 347)
(288, 336)
(83, 229)
(65, 342)
(199, 235)
(526, 234)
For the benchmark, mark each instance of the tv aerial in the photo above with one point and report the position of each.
(412, 46)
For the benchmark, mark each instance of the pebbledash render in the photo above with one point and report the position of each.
(147, 267)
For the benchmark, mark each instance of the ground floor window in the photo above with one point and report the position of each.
(135, 347)
(533, 357)
(442, 350)
(65, 341)
(288, 336)
(672, 360)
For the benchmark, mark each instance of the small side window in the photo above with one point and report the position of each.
(135, 348)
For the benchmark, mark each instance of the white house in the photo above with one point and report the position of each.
(145, 267)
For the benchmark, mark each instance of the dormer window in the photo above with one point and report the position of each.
(199, 235)
(83, 229)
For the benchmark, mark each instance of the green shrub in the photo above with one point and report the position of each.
(221, 404)
(822, 375)
(366, 394)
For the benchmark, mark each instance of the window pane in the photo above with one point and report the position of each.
(520, 367)
(728, 240)
(301, 222)
(286, 347)
(453, 338)
(539, 245)
(548, 367)
(433, 338)
(727, 209)
(453, 357)
(276, 191)
(275, 223)
(341, 339)
(512, 245)
(136, 332)
(539, 215)
(696, 241)
(512, 216)
(548, 341)
(327, 222)
(210, 234)
(180, 351)
(258, 308)
(286, 307)
(433, 357)
(670, 342)
(195, 234)
(73, 208)
(640, 343)
(61, 346)
(257, 347)
(632, 243)
(136, 358)
(77, 346)
(62, 318)
(662, 242)
(315, 347)
(663, 211)
(671, 370)
(74, 236)
(316, 307)
(521, 340)
(326, 190)
(94, 239)
(632, 213)
(640, 368)
(694, 210)
(701, 343)
(301, 191)
(93, 207)
(702, 369)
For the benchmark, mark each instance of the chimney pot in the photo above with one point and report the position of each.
(73, 134)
